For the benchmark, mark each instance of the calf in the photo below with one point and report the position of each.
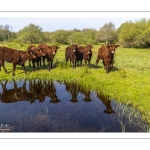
(16, 57)
(50, 52)
(88, 54)
(71, 53)
(39, 53)
(106, 53)
(112, 49)
(84, 52)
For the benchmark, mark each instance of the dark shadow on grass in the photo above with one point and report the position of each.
(114, 69)
(96, 67)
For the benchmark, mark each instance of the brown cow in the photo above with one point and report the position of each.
(50, 52)
(71, 53)
(88, 55)
(112, 49)
(106, 53)
(37, 60)
(84, 52)
(16, 57)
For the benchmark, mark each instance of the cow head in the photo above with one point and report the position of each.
(42, 48)
(113, 47)
(54, 49)
(40, 52)
(31, 52)
(73, 47)
(89, 48)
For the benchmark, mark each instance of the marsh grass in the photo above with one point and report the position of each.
(128, 82)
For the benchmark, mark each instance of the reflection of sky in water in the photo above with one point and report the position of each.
(67, 116)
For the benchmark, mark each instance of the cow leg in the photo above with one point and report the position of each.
(40, 61)
(33, 63)
(111, 64)
(107, 67)
(51, 63)
(24, 68)
(48, 64)
(81, 61)
(37, 63)
(43, 61)
(29, 63)
(75, 63)
(85, 62)
(97, 60)
(14, 68)
(89, 63)
(66, 60)
(104, 64)
(2, 64)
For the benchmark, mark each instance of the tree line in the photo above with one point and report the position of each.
(129, 34)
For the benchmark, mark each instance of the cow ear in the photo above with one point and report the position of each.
(58, 47)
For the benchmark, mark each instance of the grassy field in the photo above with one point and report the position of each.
(128, 82)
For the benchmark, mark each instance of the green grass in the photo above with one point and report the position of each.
(128, 82)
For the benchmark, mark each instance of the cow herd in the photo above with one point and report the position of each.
(75, 53)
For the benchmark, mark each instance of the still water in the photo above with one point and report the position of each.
(52, 106)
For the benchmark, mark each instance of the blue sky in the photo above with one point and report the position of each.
(66, 23)
(57, 15)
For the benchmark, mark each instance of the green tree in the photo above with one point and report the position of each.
(46, 37)
(89, 36)
(75, 37)
(31, 34)
(5, 32)
(133, 34)
(107, 33)
(59, 36)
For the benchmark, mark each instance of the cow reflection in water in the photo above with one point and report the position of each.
(75, 89)
(107, 103)
(41, 89)
(38, 90)
(15, 95)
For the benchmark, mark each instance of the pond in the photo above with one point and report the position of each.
(53, 106)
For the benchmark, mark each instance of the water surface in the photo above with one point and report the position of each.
(52, 106)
